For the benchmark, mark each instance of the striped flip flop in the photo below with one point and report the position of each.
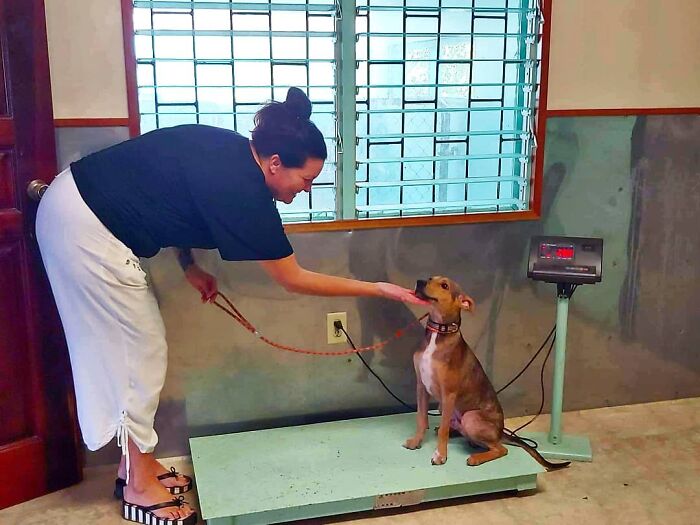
(120, 483)
(145, 515)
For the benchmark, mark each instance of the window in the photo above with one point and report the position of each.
(427, 106)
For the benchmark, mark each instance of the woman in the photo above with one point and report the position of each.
(186, 187)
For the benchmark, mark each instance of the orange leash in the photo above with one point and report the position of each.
(232, 311)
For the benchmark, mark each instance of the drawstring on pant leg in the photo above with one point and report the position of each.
(123, 441)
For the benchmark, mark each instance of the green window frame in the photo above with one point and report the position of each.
(428, 107)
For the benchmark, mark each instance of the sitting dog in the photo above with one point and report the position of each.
(447, 369)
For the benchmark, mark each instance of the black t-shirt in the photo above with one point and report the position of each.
(190, 186)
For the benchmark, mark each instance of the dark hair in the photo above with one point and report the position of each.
(284, 128)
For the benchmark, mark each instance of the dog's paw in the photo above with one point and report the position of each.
(472, 462)
(438, 459)
(412, 443)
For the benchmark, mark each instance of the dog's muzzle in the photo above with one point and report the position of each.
(420, 290)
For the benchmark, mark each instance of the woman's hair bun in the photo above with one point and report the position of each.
(298, 104)
(285, 129)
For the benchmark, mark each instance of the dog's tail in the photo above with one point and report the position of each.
(515, 440)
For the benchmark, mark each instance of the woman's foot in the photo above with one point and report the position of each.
(144, 488)
(159, 470)
(152, 492)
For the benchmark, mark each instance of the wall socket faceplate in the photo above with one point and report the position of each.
(330, 329)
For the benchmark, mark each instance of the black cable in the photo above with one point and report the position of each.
(514, 433)
(358, 354)
(573, 289)
(529, 362)
(539, 411)
(527, 440)
(544, 364)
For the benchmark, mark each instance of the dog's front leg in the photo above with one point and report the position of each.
(447, 406)
(422, 413)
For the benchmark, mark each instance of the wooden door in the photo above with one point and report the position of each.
(39, 442)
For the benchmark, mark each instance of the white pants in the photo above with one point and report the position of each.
(114, 330)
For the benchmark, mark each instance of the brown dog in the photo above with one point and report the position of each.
(447, 369)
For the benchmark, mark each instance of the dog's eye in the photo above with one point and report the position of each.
(445, 286)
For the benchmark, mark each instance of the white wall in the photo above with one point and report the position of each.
(86, 57)
(624, 54)
(604, 54)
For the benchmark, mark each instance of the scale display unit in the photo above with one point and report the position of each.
(567, 262)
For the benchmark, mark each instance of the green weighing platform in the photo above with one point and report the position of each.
(292, 473)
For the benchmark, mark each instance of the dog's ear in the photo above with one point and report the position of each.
(467, 303)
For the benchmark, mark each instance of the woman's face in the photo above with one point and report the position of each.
(286, 183)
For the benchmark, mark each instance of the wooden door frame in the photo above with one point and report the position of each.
(55, 443)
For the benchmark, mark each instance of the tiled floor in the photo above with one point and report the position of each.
(646, 470)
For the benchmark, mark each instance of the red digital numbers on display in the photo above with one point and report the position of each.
(552, 251)
(564, 252)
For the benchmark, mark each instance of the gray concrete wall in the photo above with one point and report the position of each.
(633, 338)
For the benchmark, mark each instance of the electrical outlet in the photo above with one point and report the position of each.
(331, 330)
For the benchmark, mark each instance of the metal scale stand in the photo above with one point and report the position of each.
(566, 262)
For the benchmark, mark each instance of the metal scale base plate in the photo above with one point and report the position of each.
(286, 474)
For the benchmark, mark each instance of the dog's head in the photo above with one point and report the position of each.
(447, 299)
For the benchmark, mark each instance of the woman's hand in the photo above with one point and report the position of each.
(203, 282)
(398, 293)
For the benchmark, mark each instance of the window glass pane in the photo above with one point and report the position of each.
(218, 66)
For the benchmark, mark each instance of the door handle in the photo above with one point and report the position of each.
(36, 189)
